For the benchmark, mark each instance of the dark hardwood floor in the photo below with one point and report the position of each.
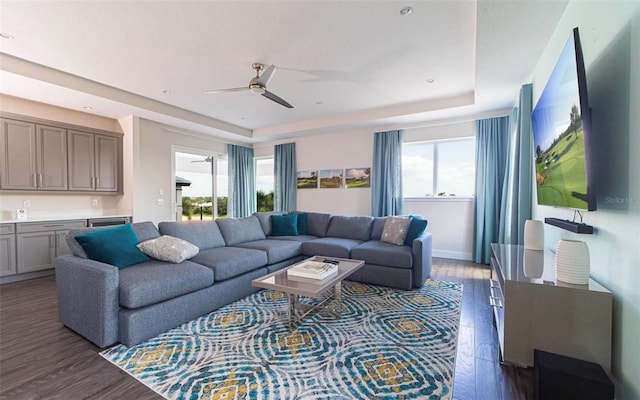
(41, 359)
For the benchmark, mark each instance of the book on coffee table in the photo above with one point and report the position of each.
(312, 270)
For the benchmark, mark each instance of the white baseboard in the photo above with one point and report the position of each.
(25, 276)
(455, 255)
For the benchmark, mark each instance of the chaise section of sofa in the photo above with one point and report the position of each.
(359, 237)
(343, 234)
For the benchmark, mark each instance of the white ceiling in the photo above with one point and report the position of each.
(341, 64)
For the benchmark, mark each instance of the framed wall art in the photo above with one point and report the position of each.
(358, 177)
(307, 179)
(331, 178)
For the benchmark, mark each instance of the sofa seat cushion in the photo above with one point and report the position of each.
(229, 262)
(277, 250)
(375, 252)
(330, 247)
(155, 281)
(299, 238)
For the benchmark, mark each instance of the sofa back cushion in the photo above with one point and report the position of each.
(378, 227)
(114, 245)
(144, 231)
(417, 226)
(240, 230)
(358, 228)
(265, 219)
(284, 225)
(204, 234)
(317, 223)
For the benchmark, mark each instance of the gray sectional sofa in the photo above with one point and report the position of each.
(107, 305)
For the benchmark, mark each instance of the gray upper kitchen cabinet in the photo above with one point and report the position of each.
(94, 162)
(32, 156)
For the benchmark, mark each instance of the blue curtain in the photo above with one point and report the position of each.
(492, 136)
(386, 174)
(517, 193)
(242, 182)
(284, 166)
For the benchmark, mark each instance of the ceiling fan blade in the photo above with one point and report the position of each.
(275, 98)
(267, 75)
(238, 89)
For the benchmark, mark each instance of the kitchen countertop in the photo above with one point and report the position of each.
(65, 217)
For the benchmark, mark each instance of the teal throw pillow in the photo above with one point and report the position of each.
(303, 220)
(417, 226)
(284, 225)
(115, 246)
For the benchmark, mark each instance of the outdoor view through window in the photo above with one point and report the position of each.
(194, 175)
(439, 169)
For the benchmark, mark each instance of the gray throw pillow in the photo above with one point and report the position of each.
(169, 248)
(395, 230)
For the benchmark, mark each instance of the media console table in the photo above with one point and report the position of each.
(534, 311)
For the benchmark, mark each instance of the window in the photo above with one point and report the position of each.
(443, 168)
(265, 184)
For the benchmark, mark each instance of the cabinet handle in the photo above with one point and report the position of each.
(91, 182)
(53, 226)
(40, 180)
(97, 181)
(35, 180)
(495, 302)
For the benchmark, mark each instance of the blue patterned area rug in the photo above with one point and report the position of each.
(389, 344)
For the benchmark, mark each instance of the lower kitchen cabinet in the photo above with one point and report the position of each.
(7, 249)
(37, 244)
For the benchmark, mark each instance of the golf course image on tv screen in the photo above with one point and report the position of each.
(561, 178)
(559, 136)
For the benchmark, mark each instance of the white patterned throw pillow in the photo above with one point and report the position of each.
(395, 230)
(169, 248)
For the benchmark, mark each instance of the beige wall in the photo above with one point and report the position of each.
(610, 36)
(35, 109)
(152, 174)
(451, 222)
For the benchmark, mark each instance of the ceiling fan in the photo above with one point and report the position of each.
(208, 159)
(258, 85)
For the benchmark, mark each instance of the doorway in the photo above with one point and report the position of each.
(201, 186)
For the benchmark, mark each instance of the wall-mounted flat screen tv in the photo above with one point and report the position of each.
(561, 129)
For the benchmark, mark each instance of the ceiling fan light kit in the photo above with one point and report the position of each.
(258, 85)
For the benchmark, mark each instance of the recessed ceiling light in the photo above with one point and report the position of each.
(5, 35)
(406, 11)
(166, 91)
(430, 80)
(319, 103)
(88, 108)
